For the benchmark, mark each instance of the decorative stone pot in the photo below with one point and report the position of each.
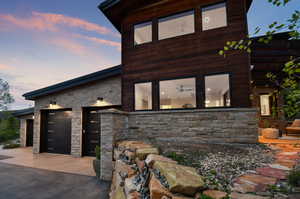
(270, 133)
(96, 165)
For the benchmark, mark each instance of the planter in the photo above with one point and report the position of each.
(96, 165)
(270, 133)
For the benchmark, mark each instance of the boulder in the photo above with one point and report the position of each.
(272, 172)
(130, 155)
(180, 197)
(235, 195)
(215, 194)
(140, 164)
(181, 179)
(118, 193)
(129, 186)
(117, 154)
(153, 158)
(157, 190)
(142, 153)
(270, 133)
(124, 169)
(132, 145)
(134, 195)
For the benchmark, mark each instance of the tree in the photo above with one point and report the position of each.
(5, 96)
(290, 84)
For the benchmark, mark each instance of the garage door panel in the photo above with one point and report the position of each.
(58, 130)
(91, 132)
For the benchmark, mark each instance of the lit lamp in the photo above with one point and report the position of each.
(99, 99)
(52, 104)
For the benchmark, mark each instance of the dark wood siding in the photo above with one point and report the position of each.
(189, 55)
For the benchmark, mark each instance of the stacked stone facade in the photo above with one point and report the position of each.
(23, 129)
(186, 130)
(76, 99)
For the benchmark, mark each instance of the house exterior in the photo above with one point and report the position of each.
(172, 88)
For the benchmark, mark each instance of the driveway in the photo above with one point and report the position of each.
(18, 182)
(53, 162)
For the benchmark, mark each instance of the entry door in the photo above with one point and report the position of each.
(58, 137)
(91, 131)
(29, 132)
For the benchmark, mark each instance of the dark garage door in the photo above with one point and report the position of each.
(29, 132)
(58, 131)
(91, 131)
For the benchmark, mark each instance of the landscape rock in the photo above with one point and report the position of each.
(181, 179)
(157, 190)
(124, 169)
(215, 194)
(134, 195)
(133, 145)
(272, 172)
(140, 164)
(180, 197)
(118, 193)
(153, 157)
(129, 186)
(246, 196)
(142, 153)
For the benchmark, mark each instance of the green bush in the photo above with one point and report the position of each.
(11, 146)
(294, 178)
(177, 157)
(9, 128)
(98, 152)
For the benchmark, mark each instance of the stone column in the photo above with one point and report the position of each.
(36, 131)
(112, 123)
(76, 138)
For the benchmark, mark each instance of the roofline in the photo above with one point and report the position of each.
(110, 72)
(107, 4)
(23, 112)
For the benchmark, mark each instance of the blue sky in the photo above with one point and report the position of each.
(46, 42)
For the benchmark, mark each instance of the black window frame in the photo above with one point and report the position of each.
(230, 89)
(213, 4)
(177, 78)
(152, 96)
(140, 23)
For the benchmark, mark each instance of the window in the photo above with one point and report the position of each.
(217, 92)
(214, 16)
(143, 33)
(175, 25)
(143, 96)
(265, 105)
(178, 94)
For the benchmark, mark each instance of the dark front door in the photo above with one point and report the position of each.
(91, 131)
(58, 132)
(29, 132)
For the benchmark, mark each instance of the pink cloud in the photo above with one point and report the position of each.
(50, 22)
(5, 67)
(100, 41)
(69, 45)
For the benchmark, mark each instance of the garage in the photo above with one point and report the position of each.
(91, 131)
(29, 132)
(56, 134)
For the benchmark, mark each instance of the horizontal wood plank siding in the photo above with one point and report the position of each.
(189, 55)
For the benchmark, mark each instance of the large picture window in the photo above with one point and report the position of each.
(214, 16)
(217, 91)
(178, 94)
(143, 96)
(265, 105)
(142, 33)
(176, 25)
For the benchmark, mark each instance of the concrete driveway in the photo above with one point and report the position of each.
(18, 182)
(53, 162)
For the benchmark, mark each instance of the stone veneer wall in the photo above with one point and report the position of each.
(186, 130)
(75, 99)
(23, 126)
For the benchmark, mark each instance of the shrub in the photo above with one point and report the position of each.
(9, 128)
(98, 152)
(177, 157)
(11, 146)
(294, 178)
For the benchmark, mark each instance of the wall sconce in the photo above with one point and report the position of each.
(52, 102)
(99, 99)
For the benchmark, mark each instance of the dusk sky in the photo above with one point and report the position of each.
(47, 42)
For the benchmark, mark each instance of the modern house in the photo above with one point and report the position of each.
(171, 89)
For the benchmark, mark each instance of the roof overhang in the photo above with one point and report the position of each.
(115, 10)
(100, 75)
(23, 112)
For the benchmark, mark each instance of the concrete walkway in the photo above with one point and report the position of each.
(53, 162)
(17, 182)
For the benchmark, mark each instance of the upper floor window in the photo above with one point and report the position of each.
(214, 16)
(176, 25)
(178, 94)
(142, 33)
(143, 96)
(217, 91)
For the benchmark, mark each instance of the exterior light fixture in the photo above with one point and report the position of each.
(52, 102)
(100, 99)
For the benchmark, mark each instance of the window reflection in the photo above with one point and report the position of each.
(143, 96)
(217, 93)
